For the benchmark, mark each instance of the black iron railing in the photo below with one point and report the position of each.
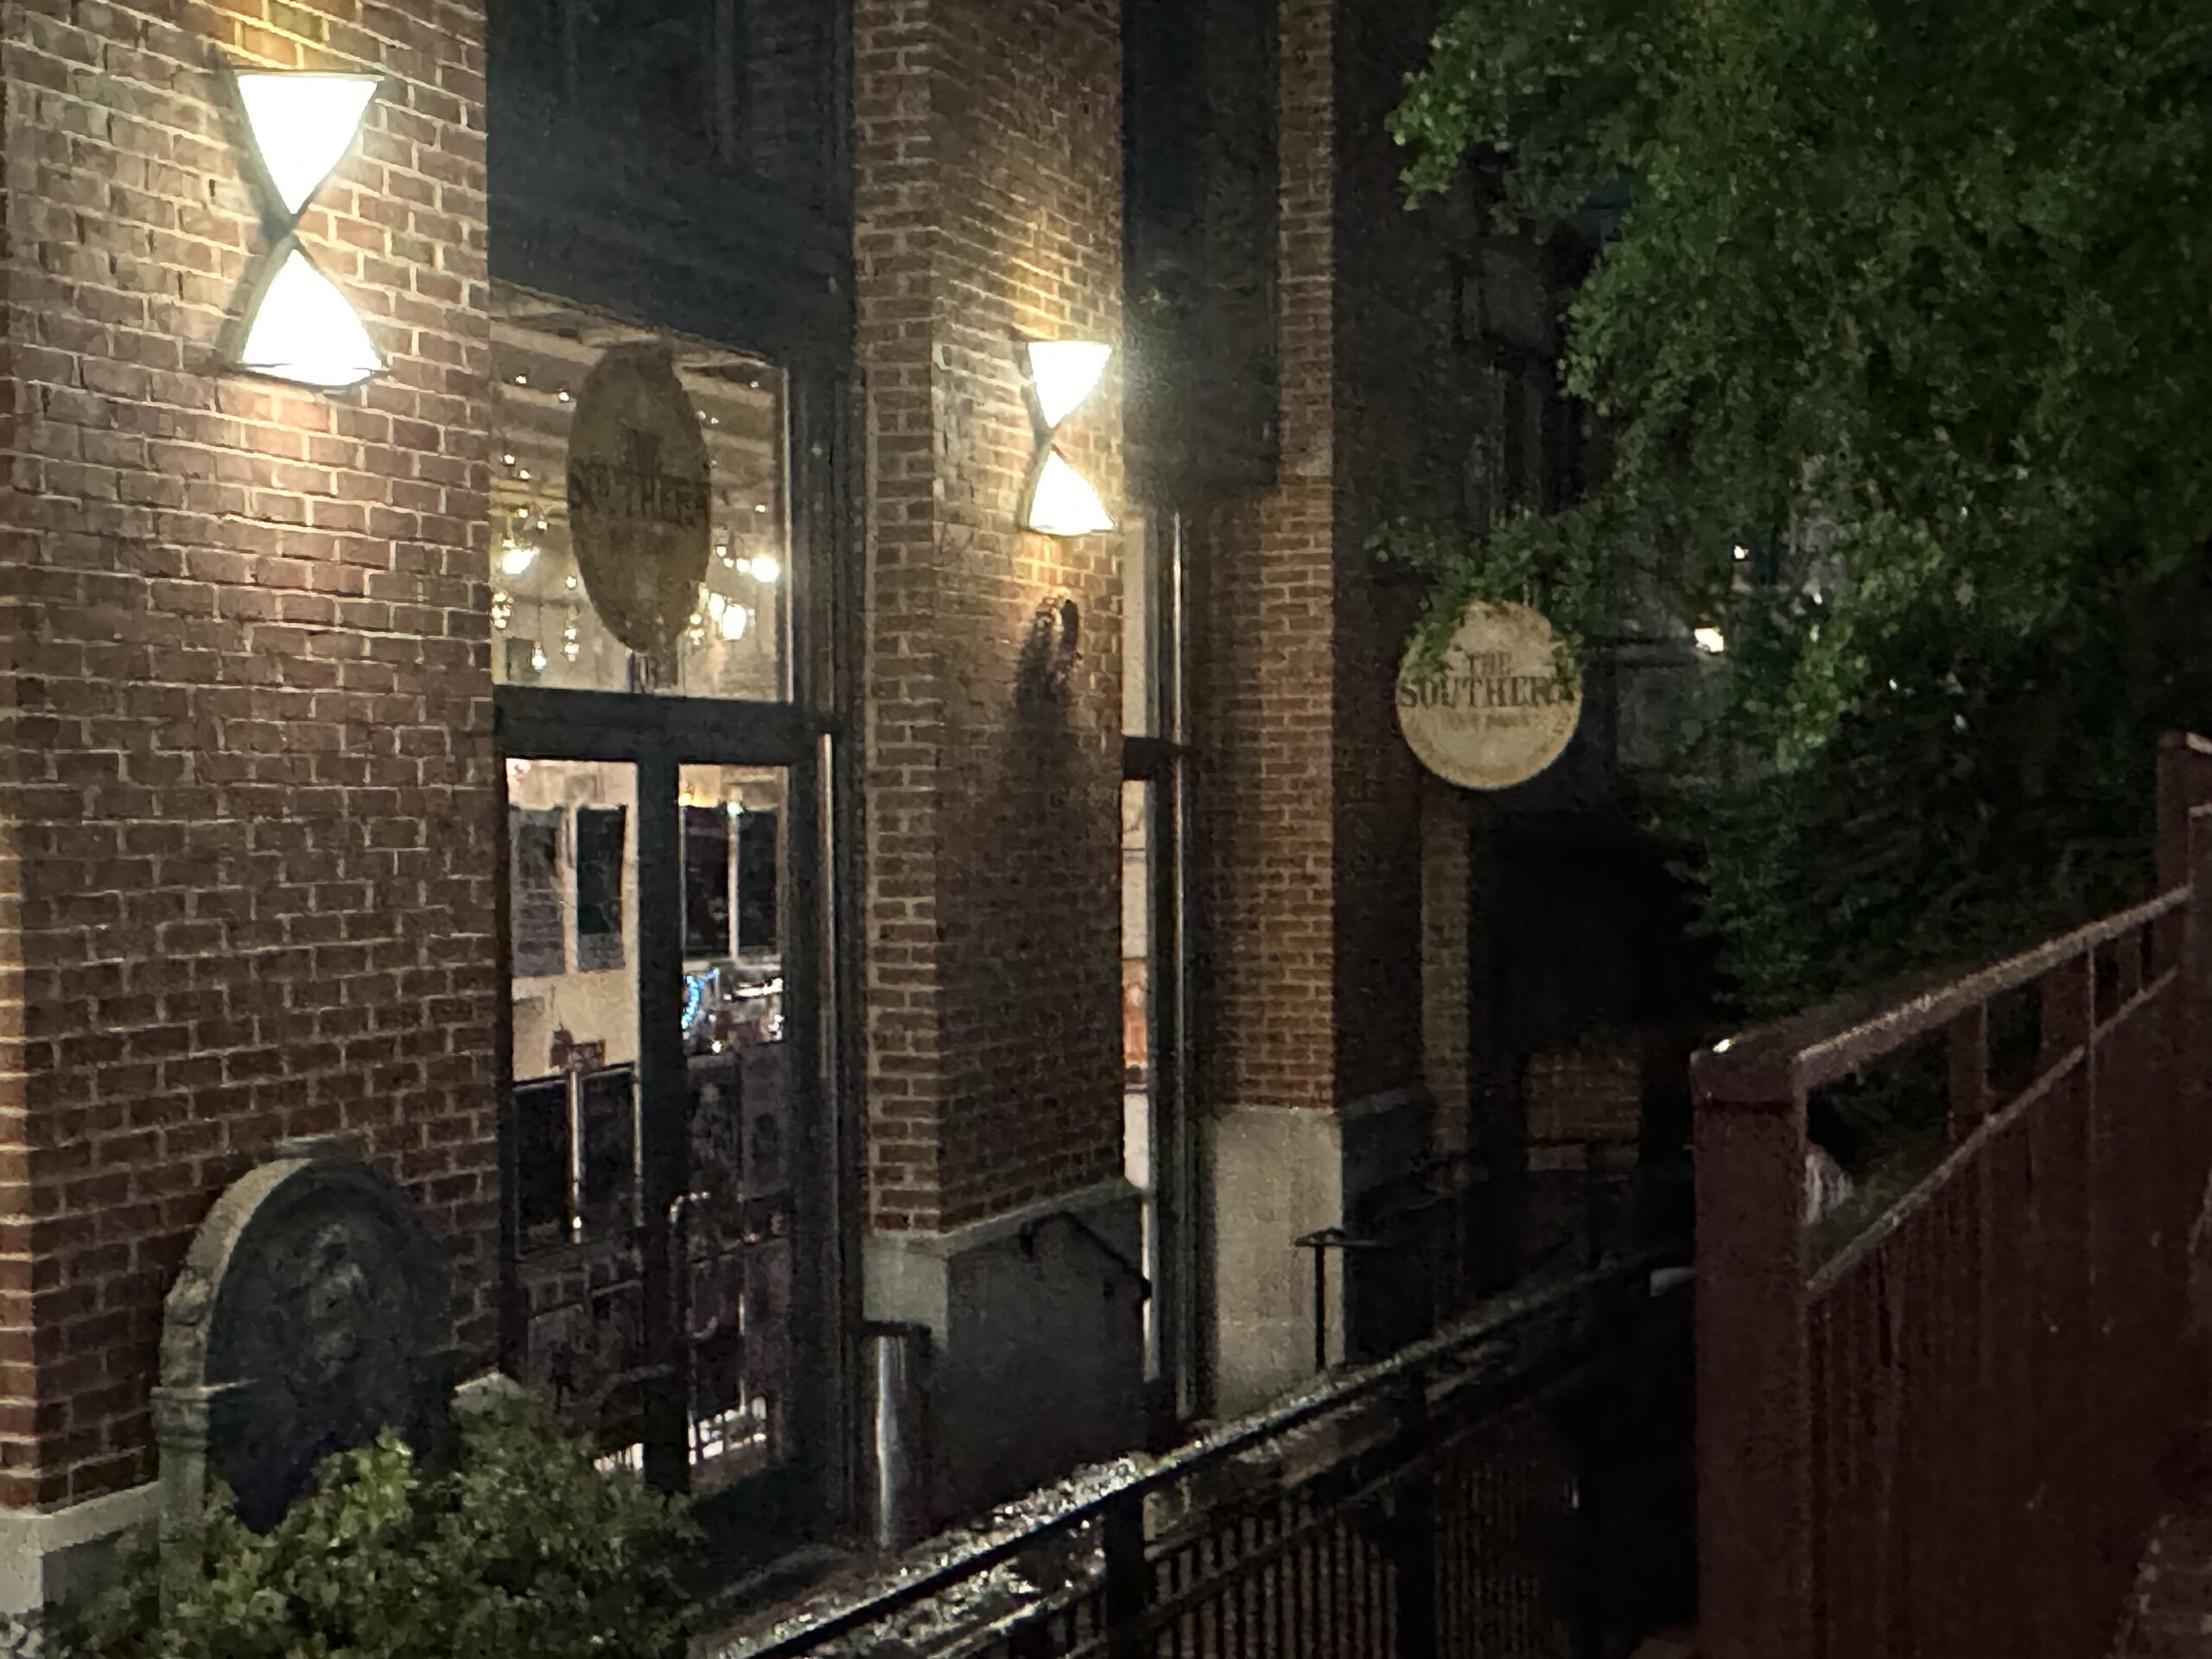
(1432, 1246)
(1468, 1497)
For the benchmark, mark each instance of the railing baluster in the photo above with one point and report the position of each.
(1129, 1578)
(1413, 1536)
(1754, 1475)
(1967, 1045)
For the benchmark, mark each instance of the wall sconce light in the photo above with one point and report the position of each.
(1057, 499)
(298, 327)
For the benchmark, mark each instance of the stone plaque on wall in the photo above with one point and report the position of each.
(311, 1313)
(1493, 712)
(639, 506)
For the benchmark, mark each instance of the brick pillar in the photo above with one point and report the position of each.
(246, 876)
(1312, 900)
(988, 209)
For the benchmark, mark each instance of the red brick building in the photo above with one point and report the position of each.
(927, 919)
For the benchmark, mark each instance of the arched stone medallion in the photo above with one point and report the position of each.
(312, 1311)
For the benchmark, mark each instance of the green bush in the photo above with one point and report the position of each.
(522, 1548)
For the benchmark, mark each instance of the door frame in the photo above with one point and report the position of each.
(659, 737)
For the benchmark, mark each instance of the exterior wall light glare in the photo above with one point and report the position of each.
(298, 327)
(1058, 500)
(1062, 502)
(1063, 373)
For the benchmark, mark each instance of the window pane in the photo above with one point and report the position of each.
(548, 628)
(573, 1000)
(541, 934)
(602, 846)
(1141, 652)
(1139, 1099)
(760, 881)
(737, 1240)
(706, 881)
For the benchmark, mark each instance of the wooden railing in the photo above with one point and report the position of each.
(1947, 1437)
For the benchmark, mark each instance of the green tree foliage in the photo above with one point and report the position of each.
(1914, 300)
(522, 1547)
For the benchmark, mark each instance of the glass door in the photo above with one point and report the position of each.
(669, 1206)
(739, 1216)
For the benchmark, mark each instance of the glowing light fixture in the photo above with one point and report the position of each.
(1062, 502)
(1063, 373)
(299, 327)
(516, 557)
(1059, 500)
(731, 618)
(302, 126)
(303, 330)
(1711, 641)
(763, 567)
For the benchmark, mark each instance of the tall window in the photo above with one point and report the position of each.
(1156, 1141)
(667, 1220)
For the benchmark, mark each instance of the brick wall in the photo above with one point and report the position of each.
(1403, 423)
(988, 157)
(245, 767)
(1264, 668)
(1309, 974)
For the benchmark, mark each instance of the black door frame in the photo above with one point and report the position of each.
(659, 737)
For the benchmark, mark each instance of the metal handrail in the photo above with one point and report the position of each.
(1112, 1493)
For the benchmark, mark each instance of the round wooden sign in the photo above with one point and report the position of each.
(1493, 713)
(640, 509)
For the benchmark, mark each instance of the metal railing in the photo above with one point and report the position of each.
(1945, 1438)
(1427, 1248)
(1457, 1499)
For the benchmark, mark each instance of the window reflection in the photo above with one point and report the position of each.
(545, 631)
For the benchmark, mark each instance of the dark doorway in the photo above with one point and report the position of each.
(1591, 993)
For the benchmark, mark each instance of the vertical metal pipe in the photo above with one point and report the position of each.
(897, 1466)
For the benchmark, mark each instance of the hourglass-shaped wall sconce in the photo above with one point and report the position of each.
(298, 327)
(1057, 499)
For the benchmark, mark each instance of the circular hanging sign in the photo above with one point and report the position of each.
(1492, 713)
(639, 511)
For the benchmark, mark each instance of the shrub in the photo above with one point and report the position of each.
(522, 1547)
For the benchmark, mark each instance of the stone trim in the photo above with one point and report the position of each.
(35, 1543)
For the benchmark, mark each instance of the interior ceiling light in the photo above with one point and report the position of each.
(299, 327)
(1059, 500)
